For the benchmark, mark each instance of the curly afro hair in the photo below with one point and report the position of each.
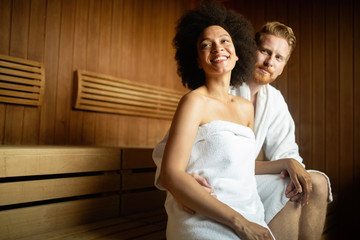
(192, 24)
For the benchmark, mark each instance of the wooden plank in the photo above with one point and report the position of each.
(65, 74)
(19, 95)
(134, 202)
(26, 66)
(135, 158)
(27, 161)
(20, 88)
(39, 190)
(103, 93)
(332, 93)
(306, 91)
(20, 80)
(22, 222)
(131, 181)
(75, 231)
(51, 57)
(318, 86)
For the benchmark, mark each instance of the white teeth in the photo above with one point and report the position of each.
(219, 59)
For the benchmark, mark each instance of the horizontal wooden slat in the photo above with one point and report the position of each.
(21, 61)
(103, 93)
(33, 96)
(14, 65)
(125, 112)
(20, 73)
(21, 222)
(131, 181)
(102, 100)
(134, 158)
(22, 81)
(18, 87)
(38, 190)
(113, 81)
(27, 161)
(18, 100)
(22, 77)
(134, 202)
(122, 94)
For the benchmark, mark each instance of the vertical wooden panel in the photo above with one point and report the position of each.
(52, 37)
(356, 108)
(35, 52)
(18, 48)
(79, 62)
(306, 81)
(318, 85)
(332, 93)
(5, 19)
(293, 67)
(65, 73)
(346, 134)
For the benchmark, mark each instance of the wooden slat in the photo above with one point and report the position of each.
(21, 222)
(134, 202)
(38, 190)
(21, 76)
(28, 161)
(103, 93)
(131, 181)
(133, 158)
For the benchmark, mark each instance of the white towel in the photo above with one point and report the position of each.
(275, 131)
(223, 153)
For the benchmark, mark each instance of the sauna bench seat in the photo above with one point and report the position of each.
(78, 192)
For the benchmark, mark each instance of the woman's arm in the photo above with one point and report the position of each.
(184, 187)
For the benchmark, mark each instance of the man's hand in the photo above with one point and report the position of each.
(202, 181)
(300, 187)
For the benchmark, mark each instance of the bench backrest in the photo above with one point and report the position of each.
(103, 93)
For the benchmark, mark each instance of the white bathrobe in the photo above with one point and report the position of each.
(274, 132)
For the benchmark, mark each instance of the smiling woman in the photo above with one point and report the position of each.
(212, 132)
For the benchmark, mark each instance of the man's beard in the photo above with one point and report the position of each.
(262, 78)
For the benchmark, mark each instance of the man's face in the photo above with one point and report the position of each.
(272, 55)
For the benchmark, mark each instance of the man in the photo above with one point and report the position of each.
(309, 191)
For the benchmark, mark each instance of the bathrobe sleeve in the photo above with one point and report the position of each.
(280, 138)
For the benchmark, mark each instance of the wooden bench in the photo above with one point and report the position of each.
(66, 192)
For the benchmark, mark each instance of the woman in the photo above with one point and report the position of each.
(214, 49)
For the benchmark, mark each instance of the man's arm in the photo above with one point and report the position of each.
(280, 144)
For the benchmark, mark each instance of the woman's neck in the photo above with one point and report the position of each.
(218, 88)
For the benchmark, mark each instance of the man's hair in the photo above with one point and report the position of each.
(279, 30)
(193, 23)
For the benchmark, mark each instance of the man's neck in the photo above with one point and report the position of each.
(254, 89)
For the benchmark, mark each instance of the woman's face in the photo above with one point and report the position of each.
(216, 51)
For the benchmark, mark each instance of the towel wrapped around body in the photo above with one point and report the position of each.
(224, 154)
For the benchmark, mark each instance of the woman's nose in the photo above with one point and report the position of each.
(217, 48)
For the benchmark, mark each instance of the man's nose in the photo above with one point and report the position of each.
(269, 61)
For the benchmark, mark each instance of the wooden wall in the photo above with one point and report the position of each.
(321, 85)
(132, 39)
(127, 39)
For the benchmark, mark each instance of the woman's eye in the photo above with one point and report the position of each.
(205, 45)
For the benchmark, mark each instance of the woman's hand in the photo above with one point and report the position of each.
(252, 231)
